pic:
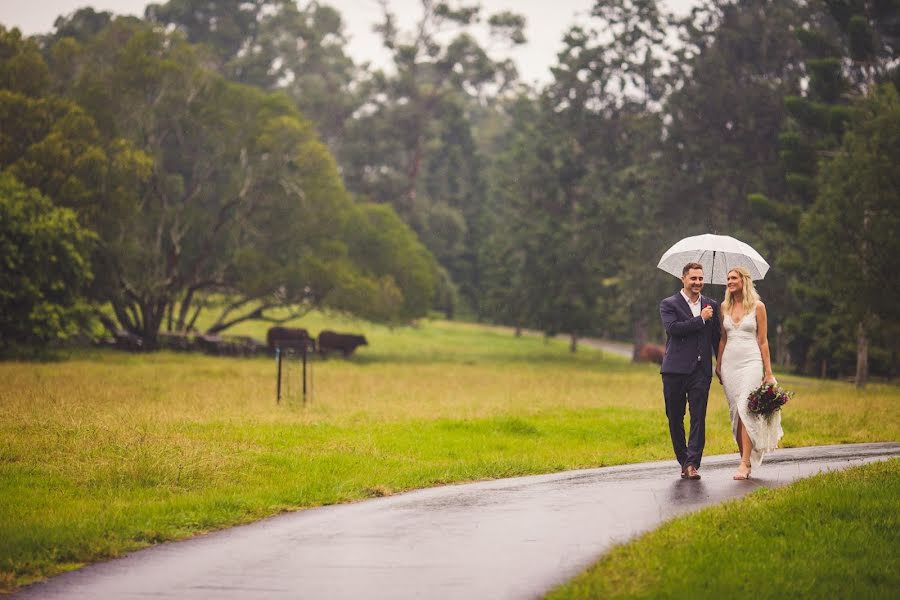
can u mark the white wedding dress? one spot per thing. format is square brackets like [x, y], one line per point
[742, 372]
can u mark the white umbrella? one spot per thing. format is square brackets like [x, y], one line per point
[717, 253]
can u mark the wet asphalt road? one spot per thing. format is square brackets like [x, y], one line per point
[511, 538]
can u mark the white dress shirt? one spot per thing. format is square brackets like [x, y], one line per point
[694, 306]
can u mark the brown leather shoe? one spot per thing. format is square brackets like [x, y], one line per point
[691, 472]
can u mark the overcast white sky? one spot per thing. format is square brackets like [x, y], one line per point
[546, 22]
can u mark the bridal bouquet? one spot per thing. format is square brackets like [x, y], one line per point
[766, 399]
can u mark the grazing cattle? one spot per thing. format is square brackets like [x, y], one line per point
[289, 338]
[651, 353]
[345, 343]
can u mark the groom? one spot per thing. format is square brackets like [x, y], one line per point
[692, 339]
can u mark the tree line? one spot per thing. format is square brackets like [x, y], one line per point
[231, 156]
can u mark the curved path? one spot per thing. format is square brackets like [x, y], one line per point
[509, 538]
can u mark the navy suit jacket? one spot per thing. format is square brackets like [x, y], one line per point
[687, 336]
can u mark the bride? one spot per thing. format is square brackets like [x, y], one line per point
[742, 365]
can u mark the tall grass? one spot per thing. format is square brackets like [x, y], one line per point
[105, 452]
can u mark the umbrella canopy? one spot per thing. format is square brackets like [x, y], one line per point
[717, 253]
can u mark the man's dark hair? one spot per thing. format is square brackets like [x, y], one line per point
[690, 266]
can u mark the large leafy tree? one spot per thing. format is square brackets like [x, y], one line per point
[297, 47]
[385, 249]
[243, 202]
[569, 183]
[44, 272]
[51, 144]
[845, 49]
[609, 89]
[411, 143]
[852, 228]
[725, 117]
[430, 73]
[300, 48]
[456, 225]
[524, 246]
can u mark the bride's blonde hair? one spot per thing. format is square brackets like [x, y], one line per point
[750, 295]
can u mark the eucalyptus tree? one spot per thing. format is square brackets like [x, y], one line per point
[243, 203]
[520, 252]
[411, 143]
[457, 223]
[429, 73]
[297, 47]
[579, 201]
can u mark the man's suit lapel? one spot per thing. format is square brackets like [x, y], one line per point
[685, 307]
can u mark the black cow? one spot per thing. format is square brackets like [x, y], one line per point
[289, 338]
[345, 343]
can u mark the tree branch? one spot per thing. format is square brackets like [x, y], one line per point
[258, 314]
[108, 323]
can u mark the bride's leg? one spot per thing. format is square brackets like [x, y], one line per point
[745, 445]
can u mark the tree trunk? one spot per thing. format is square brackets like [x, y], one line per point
[862, 356]
[573, 343]
[782, 351]
[518, 330]
[412, 184]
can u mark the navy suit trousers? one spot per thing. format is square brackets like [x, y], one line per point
[681, 391]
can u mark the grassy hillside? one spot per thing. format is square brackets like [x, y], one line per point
[106, 452]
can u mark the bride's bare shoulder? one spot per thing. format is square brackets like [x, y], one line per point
[760, 307]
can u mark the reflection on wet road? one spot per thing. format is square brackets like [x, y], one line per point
[510, 538]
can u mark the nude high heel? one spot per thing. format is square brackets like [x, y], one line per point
[740, 476]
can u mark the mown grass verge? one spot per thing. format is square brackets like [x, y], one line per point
[106, 452]
[831, 536]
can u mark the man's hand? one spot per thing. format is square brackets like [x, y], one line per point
[707, 313]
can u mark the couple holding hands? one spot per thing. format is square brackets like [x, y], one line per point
[735, 331]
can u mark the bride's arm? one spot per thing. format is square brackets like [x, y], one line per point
[722, 337]
[762, 339]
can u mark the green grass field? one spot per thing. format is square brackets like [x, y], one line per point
[831, 536]
[106, 452]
